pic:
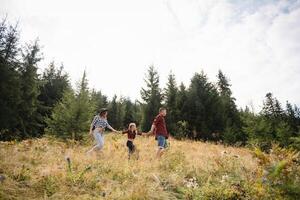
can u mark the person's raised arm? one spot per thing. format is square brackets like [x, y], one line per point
[112, 129]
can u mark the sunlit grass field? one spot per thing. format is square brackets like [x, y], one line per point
[39, 169]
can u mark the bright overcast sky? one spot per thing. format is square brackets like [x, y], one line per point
[255, 43]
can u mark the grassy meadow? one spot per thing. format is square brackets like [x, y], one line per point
[39, 169]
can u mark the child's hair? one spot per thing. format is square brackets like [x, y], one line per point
[131, 125]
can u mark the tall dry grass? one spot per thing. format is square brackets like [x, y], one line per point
[37, 169]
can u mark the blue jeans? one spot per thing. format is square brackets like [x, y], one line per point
[162, 142]
[99, 139]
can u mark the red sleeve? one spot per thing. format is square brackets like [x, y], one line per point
[156, 121]
[124, 132]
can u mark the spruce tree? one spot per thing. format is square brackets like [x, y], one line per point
[260, 132]
[291, 117]
[182, 126]
[271, 108]
[171, 92]
[231, 122]
[116, 113]
[120, 113]
[84, 108]
[53, 83]
[152, 98]
[29, 117]
[99, 99]
[61, 121]
[181, 102]
[272, 111]
[137, 112]
[203, 108]
[113, 111]
[9, 41]
[10, 97]
[128, 113]
[72, 116]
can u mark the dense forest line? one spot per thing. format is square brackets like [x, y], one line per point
[33, 104]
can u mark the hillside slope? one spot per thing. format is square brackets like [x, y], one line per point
[38, 169]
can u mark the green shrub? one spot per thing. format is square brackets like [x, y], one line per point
[181, 130]
[281, 172]
[295, 143]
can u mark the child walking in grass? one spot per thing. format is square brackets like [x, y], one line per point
[131, 133]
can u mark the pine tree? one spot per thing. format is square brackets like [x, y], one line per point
[272, 108]
[120, 113]
[223, 85]
[53, 83]
[61, 121]
[202, 108]
[116, 113]
[84, 108]
[9, 42]
[231, 122]
[279, 112]
[279, 123]
[113, 111]
[181, 102]
[99, 99]
[152, 98]
[137, 112]
[72, 116]
[30, 119]
[260, 132]
[291, 117]
[171, 92]
[195, 105]
[272, 111]
[182, 126]
[128, 113]
[283, 133]
[10, 97]
[228, 102]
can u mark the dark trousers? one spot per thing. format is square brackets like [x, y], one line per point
[131, 147]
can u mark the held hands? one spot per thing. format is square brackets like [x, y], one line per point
[115, 131]
[150, 132]
[146, 134]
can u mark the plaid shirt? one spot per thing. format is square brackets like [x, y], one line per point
[99, 122]
[160, 126]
